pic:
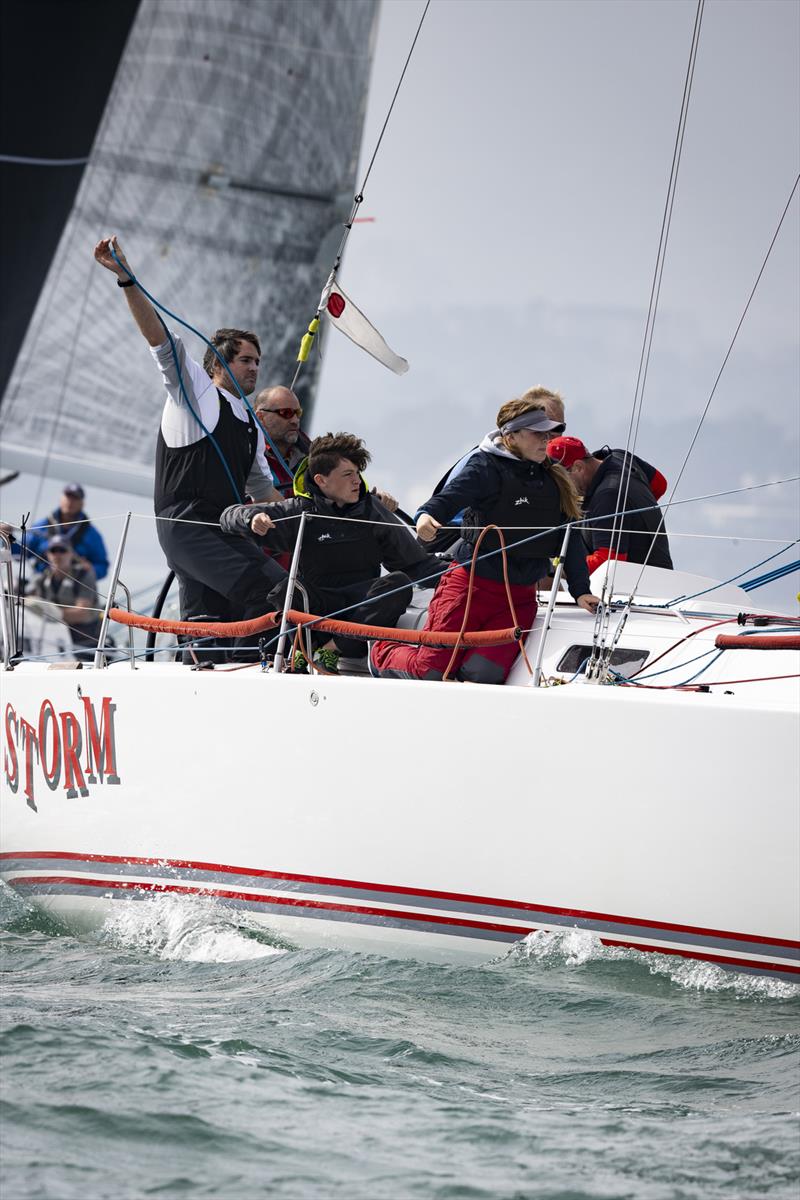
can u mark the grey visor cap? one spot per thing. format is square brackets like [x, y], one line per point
[537, 419]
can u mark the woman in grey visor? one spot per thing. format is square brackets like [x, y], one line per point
[510, 482]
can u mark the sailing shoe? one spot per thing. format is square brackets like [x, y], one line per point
[300, 663]
[353, 666]
[328, 660]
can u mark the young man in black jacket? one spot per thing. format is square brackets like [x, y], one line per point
[349, 536]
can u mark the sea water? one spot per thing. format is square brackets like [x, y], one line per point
[180, 1052]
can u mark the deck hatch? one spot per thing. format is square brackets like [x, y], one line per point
[626, 661]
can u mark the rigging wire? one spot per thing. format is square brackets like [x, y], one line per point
[313, 325]
[394, 98]
[602, 619]
[540, 531]
[623, 618]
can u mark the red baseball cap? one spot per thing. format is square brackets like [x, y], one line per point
[566, 451]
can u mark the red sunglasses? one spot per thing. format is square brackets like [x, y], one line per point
[286, 413]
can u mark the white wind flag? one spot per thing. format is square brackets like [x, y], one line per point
[344, 315]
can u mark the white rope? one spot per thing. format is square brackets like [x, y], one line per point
[606, 651]
[754, 487]
[601, 624]
[55, 603]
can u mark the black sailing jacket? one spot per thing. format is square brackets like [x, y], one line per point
[337, 554]
[499, 489]
[639, 528]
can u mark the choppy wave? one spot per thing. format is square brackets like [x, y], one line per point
[180, 1051]
[188, 929]
[577, 947]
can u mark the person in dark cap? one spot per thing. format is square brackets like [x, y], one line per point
[639, 535]
[70, 583]
[70, 522]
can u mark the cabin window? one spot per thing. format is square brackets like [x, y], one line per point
[625, 661]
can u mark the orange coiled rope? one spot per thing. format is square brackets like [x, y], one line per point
[461, 641]
[228, 629]
[758, 641]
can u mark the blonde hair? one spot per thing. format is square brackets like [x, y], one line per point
[552, 401]
[570, 500]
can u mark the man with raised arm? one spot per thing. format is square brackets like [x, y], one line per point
[209, 454]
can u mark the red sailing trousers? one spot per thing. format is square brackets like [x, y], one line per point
[489, 609]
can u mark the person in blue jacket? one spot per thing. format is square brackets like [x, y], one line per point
[70, 523]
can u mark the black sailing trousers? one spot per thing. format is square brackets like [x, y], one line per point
[222, 577]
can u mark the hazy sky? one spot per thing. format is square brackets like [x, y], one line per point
[517, 200]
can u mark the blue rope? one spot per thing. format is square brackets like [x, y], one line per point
[524, 541]
[577, 673]
[733, 578]
[196, 416]
[706, 653]
[220, 359]
[665, 670]
[750, 585]
[622, 679]
[767, 631]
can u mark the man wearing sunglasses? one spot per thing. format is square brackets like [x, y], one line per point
[279, 412]
[70, 583]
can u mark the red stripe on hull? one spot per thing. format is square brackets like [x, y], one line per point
[328, 881]
[423, 918]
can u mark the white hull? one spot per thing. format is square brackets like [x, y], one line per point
[442, 821]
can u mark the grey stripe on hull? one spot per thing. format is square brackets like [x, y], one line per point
[496, 912]
[364, 918]
[279, 910]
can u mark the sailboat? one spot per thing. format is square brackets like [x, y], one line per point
[343, 812]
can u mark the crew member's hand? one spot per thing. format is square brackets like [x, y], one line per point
[262, 524]
[7, 529]
[386, 499]
[588, 602]
[102, 253]
[427, 527]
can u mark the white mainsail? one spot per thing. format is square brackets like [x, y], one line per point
[225, 157]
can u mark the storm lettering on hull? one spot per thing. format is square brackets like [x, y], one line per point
[64, 749]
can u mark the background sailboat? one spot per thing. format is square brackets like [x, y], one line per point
[517, 198]
[226, 160]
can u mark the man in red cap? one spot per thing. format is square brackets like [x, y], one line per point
[602, 480]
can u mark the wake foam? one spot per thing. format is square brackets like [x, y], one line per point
[576, 947]
[188, 929]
